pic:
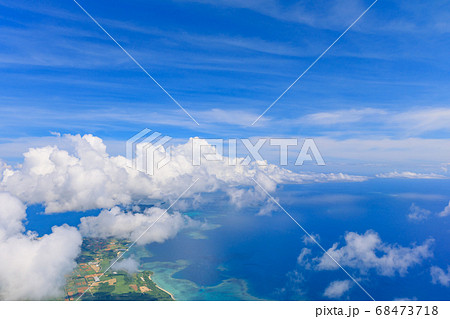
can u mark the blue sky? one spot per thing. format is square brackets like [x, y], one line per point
[383, 87]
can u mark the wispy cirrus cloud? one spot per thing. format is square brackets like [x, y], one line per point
[342, 116]
[335, 15]
[331, 16]
[411, 175]
[411, 122]
[420, 196]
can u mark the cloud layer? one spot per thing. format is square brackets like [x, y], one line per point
[84, 176]
[32, 267]
[153, 225]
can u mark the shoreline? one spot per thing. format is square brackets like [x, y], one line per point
[169, 293]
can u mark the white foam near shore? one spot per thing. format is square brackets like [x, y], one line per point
[150, 277]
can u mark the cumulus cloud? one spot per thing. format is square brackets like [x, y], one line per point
[367, 251]
[130, 265]
[12, 212]
[446, 211]
[131, 225]
[84, 176]
[337, 288]
[439, 276]
[416, 213]
[32, 267]
[411, 175]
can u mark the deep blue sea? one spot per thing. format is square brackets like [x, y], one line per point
[245, 257]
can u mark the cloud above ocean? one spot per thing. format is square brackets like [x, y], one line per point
[33, 267]
[366, 252]
[83, 176]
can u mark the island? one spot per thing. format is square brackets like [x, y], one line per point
[115, 285]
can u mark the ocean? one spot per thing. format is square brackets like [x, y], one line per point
[248, 257]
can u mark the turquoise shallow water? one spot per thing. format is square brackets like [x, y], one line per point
[183, 289]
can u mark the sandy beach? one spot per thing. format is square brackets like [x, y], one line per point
[150, 277]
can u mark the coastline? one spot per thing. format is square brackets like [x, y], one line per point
[169, 293]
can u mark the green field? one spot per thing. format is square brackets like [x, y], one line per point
[96, 256]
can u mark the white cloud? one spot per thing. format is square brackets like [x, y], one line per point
[423, 120]
[367, 251]
[412, 122]
[341, 116]
[298, 12]
[131, 225]
[420, 196]
[230, 117]
[84, 176]
[12, 212]
[32, 267]
[130, 265]
[380, 136]
[337, 288]
[446, 211]
[267, 208]
[439, 276]
[303, 260]
[417, 213]
[389, 151]
[405, 299]
[411, 175]
[309, 239]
